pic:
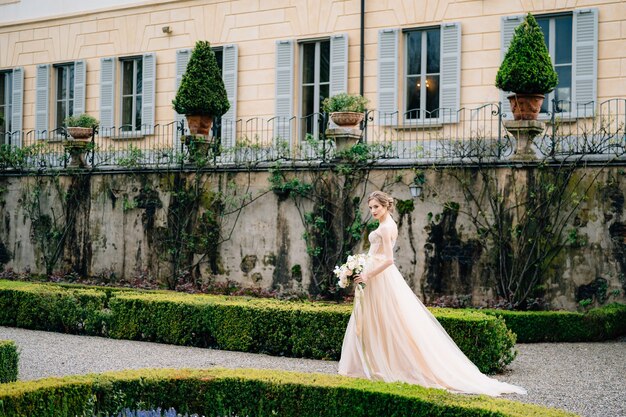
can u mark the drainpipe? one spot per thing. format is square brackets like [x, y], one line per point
[362, 63]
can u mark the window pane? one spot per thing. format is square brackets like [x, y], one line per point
[70, 86]
[323, 94]
[414, 53]
[70, 108]
[563, 40]
[139, 76]
[127, 111]
[324, 61]
[432, 95]
[433, 39]
[413, 92]
[61, 83]
[127, 77]
[219, 57]
[307, 100]
[138, 114]
[308, 63]
[61, 108]
[563, 91]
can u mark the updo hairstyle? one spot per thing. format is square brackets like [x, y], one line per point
[384, 199]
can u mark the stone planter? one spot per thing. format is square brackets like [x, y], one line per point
[77, 150]
[525, 106]
[343, 137]
[199, 124]
[524, 132]
[198, 146]
[80, 133]
[346, 118]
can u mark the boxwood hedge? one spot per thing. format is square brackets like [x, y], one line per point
[247, 392]
[299, 329]
[8, 361]
[600, 323]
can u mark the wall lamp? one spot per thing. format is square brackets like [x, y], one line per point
[166, 29]
[417, 184]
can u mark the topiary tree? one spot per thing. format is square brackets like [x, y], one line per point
[202, 90]
[527, 67]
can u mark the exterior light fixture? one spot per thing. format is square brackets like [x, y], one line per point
[416, 190]
[417, 184]
[166, 29]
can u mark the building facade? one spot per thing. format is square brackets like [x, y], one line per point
[419, 60]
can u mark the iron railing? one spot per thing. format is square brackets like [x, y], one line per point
[414, 136]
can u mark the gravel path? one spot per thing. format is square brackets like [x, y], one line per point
[586, 378]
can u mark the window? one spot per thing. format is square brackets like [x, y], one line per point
[557, 32]
[423, 64]
[64, 102]
[217, 122]
[572, 40]
[132, 94]
[315, 64]
[6, 88]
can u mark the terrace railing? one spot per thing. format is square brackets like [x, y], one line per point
[426, 136]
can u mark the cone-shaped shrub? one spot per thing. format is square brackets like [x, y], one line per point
[527, 67]
[201, 90]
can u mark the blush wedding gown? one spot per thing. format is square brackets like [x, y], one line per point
[391, 336]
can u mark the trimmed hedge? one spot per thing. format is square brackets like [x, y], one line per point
[298, 329]
[248, 392]
[9, 358]
[602, 323]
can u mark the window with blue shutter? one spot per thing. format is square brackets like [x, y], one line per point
[42, 97]
[66, 93]
[388, 76]
[572, 41]
[149, 87]
[80, 86]
[6, 105]
[182, 58]
[338, 64]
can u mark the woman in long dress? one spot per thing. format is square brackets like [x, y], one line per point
[391, 336]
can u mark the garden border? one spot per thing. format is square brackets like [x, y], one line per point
[9, 361]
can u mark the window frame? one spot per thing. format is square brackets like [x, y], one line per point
[551, 45]
[317, 84]
[423, 76]
[135, 129]
[70, 89]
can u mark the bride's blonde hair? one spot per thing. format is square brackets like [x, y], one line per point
[384, 199]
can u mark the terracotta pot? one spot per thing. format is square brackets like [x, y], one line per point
[199, 124]
[525, 106]
[80, 133]
[346, 118]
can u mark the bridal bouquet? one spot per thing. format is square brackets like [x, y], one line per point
[353, 266]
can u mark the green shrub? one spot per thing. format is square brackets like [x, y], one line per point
[202, 90]
[344, 102]
[248, 392]
[9, 358]
[527, 67]
[601, 323]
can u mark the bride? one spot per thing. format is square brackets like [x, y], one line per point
[391, 336]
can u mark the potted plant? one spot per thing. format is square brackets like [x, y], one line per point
[201, 95]
[527, 71]
[345, 109]
[81, 127]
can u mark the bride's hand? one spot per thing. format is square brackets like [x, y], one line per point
[361, 278]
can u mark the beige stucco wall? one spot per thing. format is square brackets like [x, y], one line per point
[255, 25]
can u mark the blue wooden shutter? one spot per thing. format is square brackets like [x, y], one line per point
[80, 83]
[17, 106]
[284, 89]
[450, 101]
[148, 93]
[42, 97]
[509, 23]
[338, 64]
[388, 76]
[107, 96]
[585, 61]
[229, 75]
